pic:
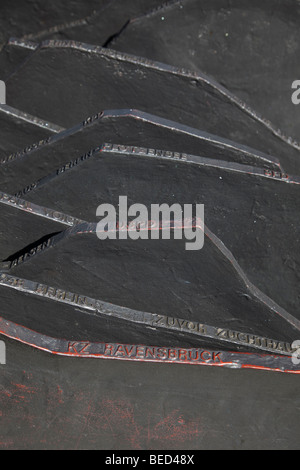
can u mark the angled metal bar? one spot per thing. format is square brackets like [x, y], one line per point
[62, 133]
[98, 308]
[135, 352]
[91, 228]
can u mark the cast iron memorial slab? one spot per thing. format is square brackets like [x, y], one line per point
[252, 210]
[249, 46]
[208, 294]
[48, 172]
[101, 79]
[149, 308]
[183, 296]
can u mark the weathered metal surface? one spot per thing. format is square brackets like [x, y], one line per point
[243, 305]
[110, 154]
[247, 208]
[148, 353]
[33, 212]
[99, 20]
[30, 19]
[150, 305]
[24, 224]
[98, 308]
[211, 108]
[12, 55]
[130, 126]
[248, 46]
[20, 130]
[56, 402]
[23, 168]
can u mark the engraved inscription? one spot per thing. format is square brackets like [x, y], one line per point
[276, 174]
[162, 354]
[251, 340]
[91, 119]
[78, 160]
[65, 296]
[38, 210]
[15, 201]
[26, 190]
[12, 281]
[26, 150]
[81, 348]
[176, 323]
[64, 218]
[144, 151]
[31, 253]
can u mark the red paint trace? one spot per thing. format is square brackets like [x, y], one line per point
[142, 353]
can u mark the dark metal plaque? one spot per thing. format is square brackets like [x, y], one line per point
[19, 130]
[93, 329]
[245, 206]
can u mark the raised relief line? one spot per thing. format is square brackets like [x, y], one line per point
[263, 298]
[28, 253]
[4, 108]
[97, 308]
[85, 227]
[39, 211]
[214, 139]
[152, 119]
[70, 24]
[194, 159]
[68, 166]
[135, 352]
[37, 145]
[19, 42]
[175, 71]
[163, 154]
[163, 7]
